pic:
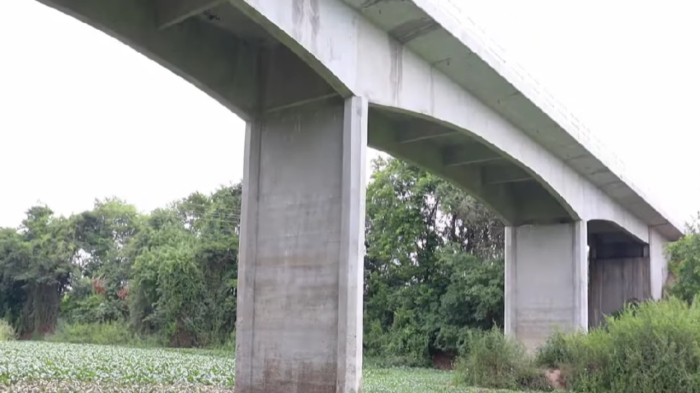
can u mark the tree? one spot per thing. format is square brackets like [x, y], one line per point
[189, 252]
[103, 235]
[684, 264]
[428, 244]
[36, 266]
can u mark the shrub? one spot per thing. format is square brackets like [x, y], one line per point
[654, 347]
[498, 362]
[112, 333]
[7, 332]
[556, 351]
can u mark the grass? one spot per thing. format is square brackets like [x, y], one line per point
[7, 333]
[57, 367]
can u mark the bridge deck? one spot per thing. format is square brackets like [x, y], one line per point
[442, 33]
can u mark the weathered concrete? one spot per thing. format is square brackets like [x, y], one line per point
[546, 281]
[658, 264]
[302, 242]
[454, 79]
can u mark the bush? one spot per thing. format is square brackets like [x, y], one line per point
[112, 333]
[7, 332]
[654, 347]
[555, 352]
[498, 362]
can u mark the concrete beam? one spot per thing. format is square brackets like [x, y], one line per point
[414, 28]
[217, 63]
[620, 250]
[536, 206]
[502, 174]
[287, 81]
[383, 134]
[411, 133]
[467, 154]
[172, 12]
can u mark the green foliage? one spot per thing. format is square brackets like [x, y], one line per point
[653, 348]
[684, 264]
[432, 269]
[58, 361]
[172, 273]
[184, 275]
[495, 361]
[52, 368]
[7, 332]
[106, 333]
[556, 351]
[180, 293]
[474, 294]
[36, 263]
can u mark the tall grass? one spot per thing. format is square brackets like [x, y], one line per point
[495, 361]
[119, 334]
[112, 333]
[654, 348]
[7, 333]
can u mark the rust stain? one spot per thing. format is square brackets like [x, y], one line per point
[306, 11]
[315, 19]
[396, 71]
[298, 17]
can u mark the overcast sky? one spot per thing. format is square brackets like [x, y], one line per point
[83, 116]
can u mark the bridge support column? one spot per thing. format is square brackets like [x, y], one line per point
[299, 326]
[658, 264]
[546, 281]
[619, 273]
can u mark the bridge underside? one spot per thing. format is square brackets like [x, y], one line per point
[224, 50]
[620, 270]
[299, 322]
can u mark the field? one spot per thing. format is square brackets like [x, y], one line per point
[53, 367]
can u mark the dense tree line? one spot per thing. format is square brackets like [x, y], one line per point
[433, 267]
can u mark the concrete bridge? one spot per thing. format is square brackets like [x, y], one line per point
[320, 80]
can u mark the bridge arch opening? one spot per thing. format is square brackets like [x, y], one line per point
[508, 188]
[619, 270]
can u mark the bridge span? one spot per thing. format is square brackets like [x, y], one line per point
[320, 80]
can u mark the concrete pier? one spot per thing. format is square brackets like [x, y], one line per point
[302, 247]
[546, 283]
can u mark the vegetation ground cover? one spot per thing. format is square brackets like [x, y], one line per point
[57, 367]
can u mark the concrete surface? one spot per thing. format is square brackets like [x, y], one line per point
[302, 244]
[658, 263]
[546, 281]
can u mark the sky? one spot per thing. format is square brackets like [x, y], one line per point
[82, 116]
